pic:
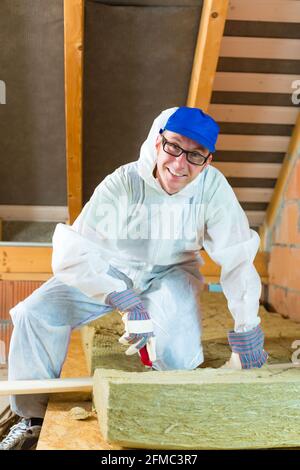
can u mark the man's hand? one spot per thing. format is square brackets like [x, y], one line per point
[138, 324]
[247, 349]
[138, 331]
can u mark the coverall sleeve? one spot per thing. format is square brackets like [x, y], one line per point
[80, 252]
[233, 245]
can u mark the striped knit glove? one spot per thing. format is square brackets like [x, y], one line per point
[249, 346]
[138, 324]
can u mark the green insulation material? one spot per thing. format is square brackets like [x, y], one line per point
[200, 409]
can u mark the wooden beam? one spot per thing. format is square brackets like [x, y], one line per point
[206, 56]
[25, 276]
[211, 269]
[248, 170]
[216, 280]
[256, 143]
[254, 114]
[73, 34]
[254, 82]
[25, 259]
[260, 48]
[35, 263]
[278, 11]
[281, 183]
[28, 387]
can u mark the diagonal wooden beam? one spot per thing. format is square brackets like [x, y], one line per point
[206, 56]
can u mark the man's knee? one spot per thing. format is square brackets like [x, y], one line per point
[173, 360]
[27, 308]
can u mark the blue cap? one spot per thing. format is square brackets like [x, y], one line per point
[194, 124]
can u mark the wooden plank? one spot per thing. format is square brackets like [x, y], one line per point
[73, 35]
[260, 48]
[34, 213]
[281, 184]
[188, 406]
[25, 276]
[211, 269]
[253, 114]
[216, 280]
[281, 11]
[253, 194]
[254, 82]
[256, 143]
[25, 259]
[255, 218]
[28, 387]
[206, 56]
[248, 170]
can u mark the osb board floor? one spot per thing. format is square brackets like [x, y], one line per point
[61, 432]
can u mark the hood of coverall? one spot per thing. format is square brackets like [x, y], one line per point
[148, 157]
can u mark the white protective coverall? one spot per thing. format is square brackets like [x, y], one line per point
[133, 234]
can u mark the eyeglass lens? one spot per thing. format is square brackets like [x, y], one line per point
[192, 157]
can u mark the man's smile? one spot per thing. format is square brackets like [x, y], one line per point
[177, 175]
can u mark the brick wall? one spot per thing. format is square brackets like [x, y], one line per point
[284, 266]
[11, 293]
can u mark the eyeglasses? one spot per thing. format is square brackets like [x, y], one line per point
[196, 158]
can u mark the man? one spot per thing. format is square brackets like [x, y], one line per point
[135, 247]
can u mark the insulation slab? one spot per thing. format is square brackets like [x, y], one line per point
[200, 409]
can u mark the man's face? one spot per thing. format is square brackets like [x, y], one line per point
[174, 173]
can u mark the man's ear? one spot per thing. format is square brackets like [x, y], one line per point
[208, 160]
[157, 142]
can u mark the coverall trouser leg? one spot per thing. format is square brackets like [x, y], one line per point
[43, 323]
